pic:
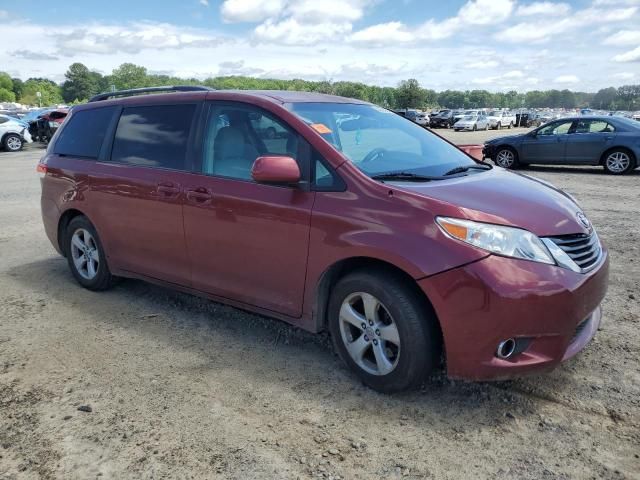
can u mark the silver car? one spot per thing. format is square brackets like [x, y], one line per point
[472, 122]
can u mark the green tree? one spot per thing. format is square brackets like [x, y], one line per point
[50, 92]
[80, 83]
[129, 75]
[409, 94]
[6, 88]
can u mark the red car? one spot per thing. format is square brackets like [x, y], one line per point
[353, 220]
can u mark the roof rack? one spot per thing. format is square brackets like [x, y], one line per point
[138, 91]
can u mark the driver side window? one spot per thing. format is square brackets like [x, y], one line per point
[557, 128]
[236, 135]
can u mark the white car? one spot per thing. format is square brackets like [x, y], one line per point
[13, 134]
[422, 119]
[472, 122]
[500, 118]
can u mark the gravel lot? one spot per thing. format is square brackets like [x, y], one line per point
[180, 387]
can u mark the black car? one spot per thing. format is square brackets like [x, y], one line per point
[443, 119]
[613, 142]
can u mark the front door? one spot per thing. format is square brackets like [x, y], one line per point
[548, 145]
[247, 242]
[137, 192]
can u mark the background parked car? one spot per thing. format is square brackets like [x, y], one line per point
[443, 119]
[501, 118]
[472, 122]
[13, 133]
[613, 142]
[47, 123]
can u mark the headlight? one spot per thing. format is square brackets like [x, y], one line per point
[506, 241]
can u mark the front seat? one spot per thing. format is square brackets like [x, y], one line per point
[233, 156]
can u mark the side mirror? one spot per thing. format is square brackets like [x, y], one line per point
[275, 169]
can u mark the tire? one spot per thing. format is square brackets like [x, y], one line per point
[618, 161]
[498, 126]
[411, 349]
[510, 125]
[80, 261]
[486, 126]
[12, 142]
[475, 127]
[506, 157]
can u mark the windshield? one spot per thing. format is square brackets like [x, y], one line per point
[469, 117]
[379, 141]
[495, 113]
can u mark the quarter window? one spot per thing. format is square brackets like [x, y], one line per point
[154, 136]
[84, 132]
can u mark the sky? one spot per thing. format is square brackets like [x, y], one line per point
[497, 45]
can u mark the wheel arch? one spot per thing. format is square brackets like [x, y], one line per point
[604, 155]
[343, 267]
[63, 223]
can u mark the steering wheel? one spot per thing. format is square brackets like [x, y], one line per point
[373, 154]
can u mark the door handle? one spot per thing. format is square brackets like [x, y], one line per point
[199, 195]
[168, 189]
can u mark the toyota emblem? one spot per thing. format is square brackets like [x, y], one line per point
[582, 218]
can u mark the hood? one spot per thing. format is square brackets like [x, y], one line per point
[506, 139]
[506, 198]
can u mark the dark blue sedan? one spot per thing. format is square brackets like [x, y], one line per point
[613, 142]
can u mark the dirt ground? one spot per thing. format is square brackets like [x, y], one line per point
[180, 387]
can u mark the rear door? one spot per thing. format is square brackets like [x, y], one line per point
[548, 145]
[247, 241]
[137, 192]
[588, 140]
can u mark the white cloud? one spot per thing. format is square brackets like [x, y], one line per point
[472, 13]
[623, 76]
[630, 56]
[480, 64]
[204, 3]
[292, 32]
[250, 10]
[616, 2]
[568, 79]
[623, 37]
[485, 12]
[543, 8]
[314, 11]
[543, 30]
[130, 38]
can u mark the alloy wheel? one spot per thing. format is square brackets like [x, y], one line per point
[85, 254]
[369, 333]
[14, 143]
[618, 162]
[505, 158]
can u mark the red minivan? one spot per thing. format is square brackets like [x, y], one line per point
[330, 214]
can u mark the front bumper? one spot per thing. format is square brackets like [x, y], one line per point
[555, 311]
[488, 151]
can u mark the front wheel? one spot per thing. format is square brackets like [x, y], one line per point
[12, 142]
[510, 125]
[498, 126]
[85, 255]
[383, 330]
[619, 162]
[506, 158]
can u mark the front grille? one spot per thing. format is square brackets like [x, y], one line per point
[583, 249]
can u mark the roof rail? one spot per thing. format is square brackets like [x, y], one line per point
[138, 91]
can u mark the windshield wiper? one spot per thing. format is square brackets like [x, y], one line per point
[478, 166]
[404, 176]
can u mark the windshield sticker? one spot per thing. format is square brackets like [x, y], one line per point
[321, 128]
[358, 137]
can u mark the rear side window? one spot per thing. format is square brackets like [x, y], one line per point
[154, 136]
[84, 133]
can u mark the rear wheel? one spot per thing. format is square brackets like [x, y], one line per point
[12, 142]
[85, 255]
[619, 162]
[506, 158]
[383, 330]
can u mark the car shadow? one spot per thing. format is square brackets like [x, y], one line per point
[587, 170]
[305, 362]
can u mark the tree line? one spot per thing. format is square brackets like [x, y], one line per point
[81, 83]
